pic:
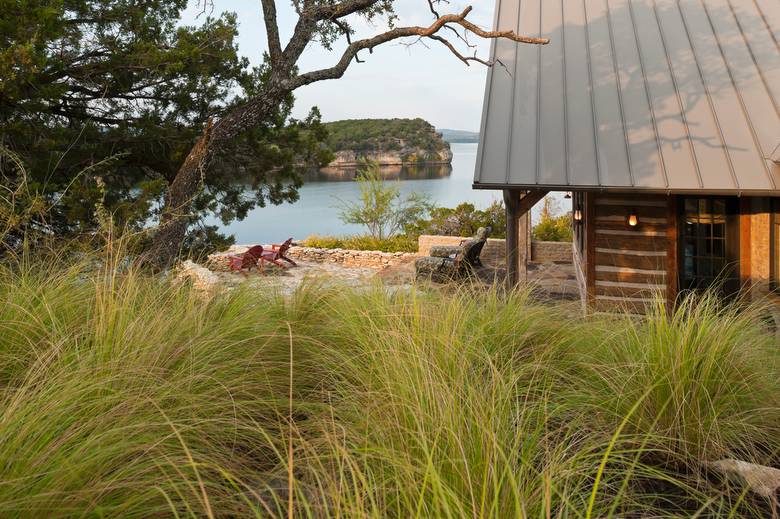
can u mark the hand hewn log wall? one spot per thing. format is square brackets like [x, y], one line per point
[631, 265]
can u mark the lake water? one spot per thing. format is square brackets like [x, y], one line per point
[317, 210]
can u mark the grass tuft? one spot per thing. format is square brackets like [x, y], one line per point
[122, 394]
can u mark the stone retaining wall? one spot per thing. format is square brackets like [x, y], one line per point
[351, 258]
[493, 254]
[551, 251]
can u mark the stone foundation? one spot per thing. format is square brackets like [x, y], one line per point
[551, 251]
[493, 254]
[351, 258]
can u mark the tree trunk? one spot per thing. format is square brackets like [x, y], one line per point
[167, 242]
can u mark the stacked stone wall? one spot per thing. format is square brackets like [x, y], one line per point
[351, 258]
[494, 252]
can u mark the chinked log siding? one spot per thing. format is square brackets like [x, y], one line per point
[630, 264]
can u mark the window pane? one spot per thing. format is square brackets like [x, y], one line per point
[719, 229]
[719, 248]
[704, 204]
[719, 268]
[704, 242]
[688, 269]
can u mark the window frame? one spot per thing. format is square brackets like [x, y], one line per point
[731, 242]
[774, 236]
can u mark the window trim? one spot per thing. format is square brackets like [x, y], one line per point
[774, 221]
[732, 236]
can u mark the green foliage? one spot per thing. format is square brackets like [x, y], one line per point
[463, 220]
[84, 81]
[397, 243]
[551, 227]
[380, 208]
[124, 395]
[374, 135]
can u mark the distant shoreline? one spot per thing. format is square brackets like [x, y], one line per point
[357, 165]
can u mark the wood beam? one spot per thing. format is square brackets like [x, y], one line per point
[529, 199]
[745, 213]
[517, 204]
[672, 253]
[512, 207]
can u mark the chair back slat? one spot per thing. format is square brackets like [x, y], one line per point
[284, 246]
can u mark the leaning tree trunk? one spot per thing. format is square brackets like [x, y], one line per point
[169, 237]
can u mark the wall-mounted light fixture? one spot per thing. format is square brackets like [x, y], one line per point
[567, 195]
[633, 220]
[577, 215]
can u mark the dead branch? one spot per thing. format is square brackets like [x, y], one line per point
[340, 67]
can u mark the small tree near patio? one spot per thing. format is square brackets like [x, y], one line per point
[380, 207]
[552, 226]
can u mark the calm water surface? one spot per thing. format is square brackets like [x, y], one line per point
[317, 210]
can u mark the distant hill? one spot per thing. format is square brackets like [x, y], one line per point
[458, 135]
[386, 141]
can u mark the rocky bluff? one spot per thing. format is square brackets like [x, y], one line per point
[387, 142]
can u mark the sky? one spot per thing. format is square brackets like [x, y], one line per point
[395, 81]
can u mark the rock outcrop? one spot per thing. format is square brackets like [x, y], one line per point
[404, 157]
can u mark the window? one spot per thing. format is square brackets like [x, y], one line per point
[708, 245]
[774, 247]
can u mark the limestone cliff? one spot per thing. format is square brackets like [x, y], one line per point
[403, 157]
[388, 142]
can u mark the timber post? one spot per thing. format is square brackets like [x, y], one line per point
[512, 205]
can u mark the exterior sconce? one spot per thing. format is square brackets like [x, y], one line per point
[567, 196]
[578, 215]
[633, 220]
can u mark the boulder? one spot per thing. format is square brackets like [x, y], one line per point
[202, 278]
[759, 479]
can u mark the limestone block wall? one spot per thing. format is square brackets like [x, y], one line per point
[494, 252]
[351, 258]
[551, 251]
[348, 258]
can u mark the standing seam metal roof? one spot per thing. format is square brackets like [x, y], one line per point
[659, 95]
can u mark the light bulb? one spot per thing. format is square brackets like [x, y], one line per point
[632, 219]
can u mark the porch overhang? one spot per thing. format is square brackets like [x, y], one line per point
[642, 95]
[625, 189]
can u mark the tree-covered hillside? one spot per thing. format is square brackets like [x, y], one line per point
[386, 135]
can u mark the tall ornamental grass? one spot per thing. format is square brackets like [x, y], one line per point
[127, 395]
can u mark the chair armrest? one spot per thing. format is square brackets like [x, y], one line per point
[445, 251]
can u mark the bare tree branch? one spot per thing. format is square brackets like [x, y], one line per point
[310, 16]
[272, 30]
[464, 59]
[302, 35]
[341, 9]
[348, 34]
[339, 68]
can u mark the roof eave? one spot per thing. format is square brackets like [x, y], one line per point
[630, 189]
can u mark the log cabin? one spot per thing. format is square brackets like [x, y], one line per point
[662, 119]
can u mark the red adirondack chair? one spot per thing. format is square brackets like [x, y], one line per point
[278, 252]
[246, 261]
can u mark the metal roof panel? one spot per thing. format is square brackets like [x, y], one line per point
[664, 95]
